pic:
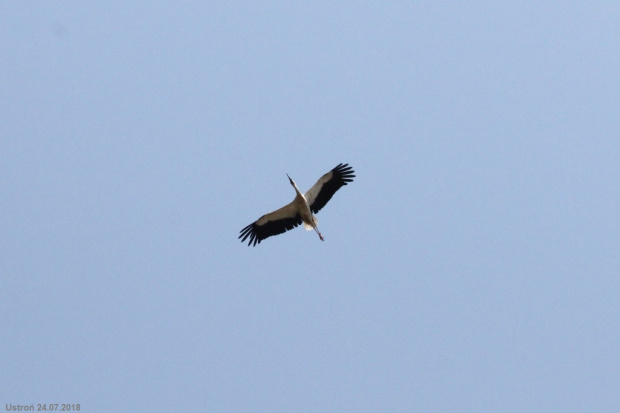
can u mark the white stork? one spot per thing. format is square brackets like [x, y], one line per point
[301, 209]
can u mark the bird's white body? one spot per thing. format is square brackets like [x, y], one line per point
[301, 209]
[301, 204]
[304, 211]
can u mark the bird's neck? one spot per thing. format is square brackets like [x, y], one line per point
[298, 191]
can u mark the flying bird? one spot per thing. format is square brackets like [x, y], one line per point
[301, 209]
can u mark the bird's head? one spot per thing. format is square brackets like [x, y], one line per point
[290, 180]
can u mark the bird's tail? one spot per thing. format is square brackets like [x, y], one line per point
[309, 227]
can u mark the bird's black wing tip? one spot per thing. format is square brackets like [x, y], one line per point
[345, 173]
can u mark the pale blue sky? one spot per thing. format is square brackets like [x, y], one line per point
[472, 266]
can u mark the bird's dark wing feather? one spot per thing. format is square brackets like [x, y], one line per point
[257, 233]
[327, 185]
[270, 224]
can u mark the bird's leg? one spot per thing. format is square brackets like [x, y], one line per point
[317, 231]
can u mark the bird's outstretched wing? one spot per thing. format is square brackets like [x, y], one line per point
[327, 185]
[273, 223]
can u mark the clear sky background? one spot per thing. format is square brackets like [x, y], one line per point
[473, 265]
